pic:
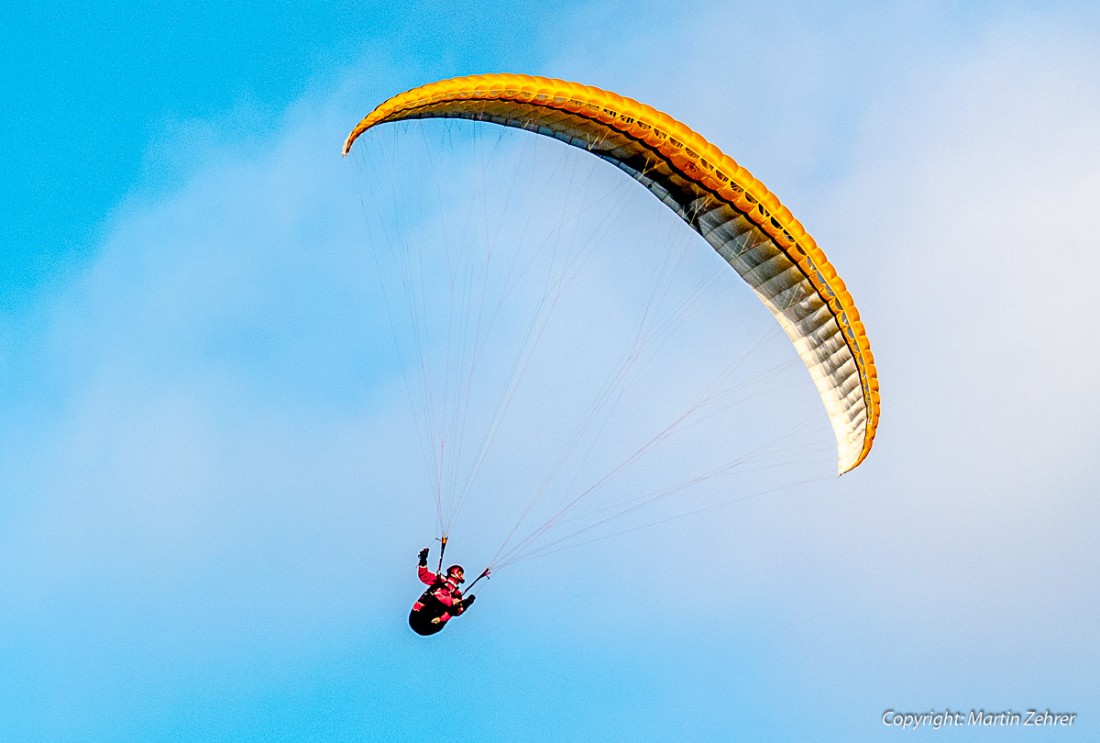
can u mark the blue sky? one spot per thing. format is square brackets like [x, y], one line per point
[211, 507]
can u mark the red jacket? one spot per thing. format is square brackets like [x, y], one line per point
[443, 589]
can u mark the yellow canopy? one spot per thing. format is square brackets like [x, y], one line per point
[735, 213]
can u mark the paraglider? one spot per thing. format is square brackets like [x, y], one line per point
[441, 601]
[735, 214]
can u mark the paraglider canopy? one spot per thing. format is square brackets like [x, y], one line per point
[735, 213]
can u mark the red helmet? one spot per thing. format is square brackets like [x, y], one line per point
[456, 569]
